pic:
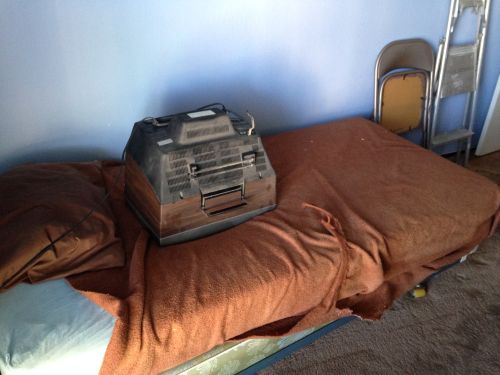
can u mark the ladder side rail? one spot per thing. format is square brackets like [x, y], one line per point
[471, 96]
[480, 52]
[433, 90]
[449, 29]
[466, 120]
[466, 123]
[437, 64]
[426, 123]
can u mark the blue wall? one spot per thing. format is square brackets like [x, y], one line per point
[75, 75]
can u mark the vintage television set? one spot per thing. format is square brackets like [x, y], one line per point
[195, 173]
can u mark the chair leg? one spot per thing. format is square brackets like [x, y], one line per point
[467, 152]
[459, 152]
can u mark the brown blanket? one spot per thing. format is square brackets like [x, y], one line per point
[39, 203]
[362, 216]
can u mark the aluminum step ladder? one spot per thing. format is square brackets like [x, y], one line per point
[458, 71]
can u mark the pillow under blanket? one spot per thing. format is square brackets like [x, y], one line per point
[38, 203]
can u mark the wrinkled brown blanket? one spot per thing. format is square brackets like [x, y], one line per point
[41, 202]
[362, 216]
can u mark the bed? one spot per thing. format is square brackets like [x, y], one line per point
[363, 215]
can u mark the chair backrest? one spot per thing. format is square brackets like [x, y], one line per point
[406, 53]
[406, 104]
[402, 97]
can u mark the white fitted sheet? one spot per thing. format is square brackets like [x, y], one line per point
[49, 328]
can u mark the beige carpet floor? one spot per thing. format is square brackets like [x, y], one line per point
[487, 165]
[454, 330]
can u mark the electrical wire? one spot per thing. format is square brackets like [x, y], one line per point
[213, 105]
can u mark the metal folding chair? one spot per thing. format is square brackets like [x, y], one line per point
[403, 86]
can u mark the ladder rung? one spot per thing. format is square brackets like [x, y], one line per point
[448, 137]
[466, 51]
[471, 3]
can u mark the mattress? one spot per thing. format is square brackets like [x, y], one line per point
[49, 328]
[362, 216]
